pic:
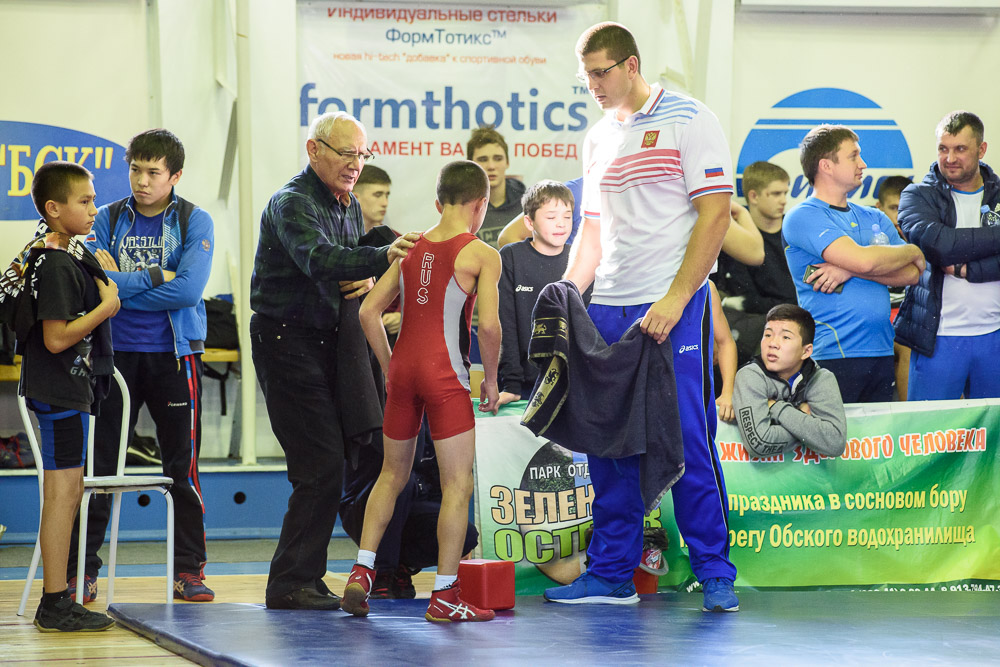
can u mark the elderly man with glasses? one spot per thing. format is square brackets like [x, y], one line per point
[308, 347]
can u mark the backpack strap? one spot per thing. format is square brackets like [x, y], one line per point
[184, 211]
[114, 212]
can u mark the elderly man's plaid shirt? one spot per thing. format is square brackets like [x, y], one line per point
[307, 244]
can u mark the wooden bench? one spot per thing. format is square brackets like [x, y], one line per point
[12, 372]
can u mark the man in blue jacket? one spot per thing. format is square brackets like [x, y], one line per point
[157, 248]
[951, 318]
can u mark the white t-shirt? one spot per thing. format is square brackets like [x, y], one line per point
[640, 177]
[968, 309]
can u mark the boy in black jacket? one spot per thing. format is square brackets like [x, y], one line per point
[72, 299]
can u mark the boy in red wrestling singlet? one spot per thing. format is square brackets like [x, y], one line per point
[428, 369]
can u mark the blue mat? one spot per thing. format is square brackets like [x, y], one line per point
[773, 628]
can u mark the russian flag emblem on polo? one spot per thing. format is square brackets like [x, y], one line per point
[649, 139]
[713, 172]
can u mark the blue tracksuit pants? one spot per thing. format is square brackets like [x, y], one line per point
[700, 495]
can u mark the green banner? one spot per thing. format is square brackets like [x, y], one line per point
[912, 503]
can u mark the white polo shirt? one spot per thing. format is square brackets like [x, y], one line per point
[639, 179]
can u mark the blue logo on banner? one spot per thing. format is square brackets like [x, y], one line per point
[24, 147]
[883, 145]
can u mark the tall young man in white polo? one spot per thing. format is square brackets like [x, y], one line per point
[656, 195]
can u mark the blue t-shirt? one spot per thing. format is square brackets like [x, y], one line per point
[142, 330]
[854, 322]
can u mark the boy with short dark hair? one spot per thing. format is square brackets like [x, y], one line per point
[528, 266]
[488, 148]
[888, 198]
[428, 368]
[783, 397]
[158, 248]
[372, 190]
[63, 354]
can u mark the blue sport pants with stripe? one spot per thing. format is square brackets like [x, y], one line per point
[700, 502]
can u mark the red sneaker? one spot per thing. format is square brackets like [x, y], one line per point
[89, 588]
[359, 587]
[447, 607]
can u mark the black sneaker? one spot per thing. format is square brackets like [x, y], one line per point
[142, 451]
[402, 583]
[382, 586]
[68, 616]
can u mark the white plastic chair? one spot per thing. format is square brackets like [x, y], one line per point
[117, 484]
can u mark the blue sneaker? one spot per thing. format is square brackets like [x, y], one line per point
[591, 589]
[720, 596]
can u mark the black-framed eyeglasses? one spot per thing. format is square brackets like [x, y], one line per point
[349, 155]
[598, 74]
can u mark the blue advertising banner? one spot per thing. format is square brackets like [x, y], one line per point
[26, 146]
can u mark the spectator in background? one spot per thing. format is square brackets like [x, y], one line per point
[528, 266]
[888, 202]
[158, 248]
[372, 192]
[517, 230]
[888, 198]
[488, 148]
[750, 290]
[842, 257]
[951, 318]
[783, 397]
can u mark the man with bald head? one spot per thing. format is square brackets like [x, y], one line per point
[308, 274]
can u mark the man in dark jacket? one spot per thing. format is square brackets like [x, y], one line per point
[951, 318]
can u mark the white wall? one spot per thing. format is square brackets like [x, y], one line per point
[917, 68]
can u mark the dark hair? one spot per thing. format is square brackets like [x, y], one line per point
[612, 37]
[154, 144]
[956, 121]
[789, 312]
[53, 180]
[482, 136]
[542, 192]
[892, 185]
[371, 174]
[759, 175]
[822, 143]
[461, 182]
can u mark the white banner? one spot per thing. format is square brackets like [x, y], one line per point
[421, 79]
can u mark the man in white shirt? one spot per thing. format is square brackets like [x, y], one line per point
[656, 195]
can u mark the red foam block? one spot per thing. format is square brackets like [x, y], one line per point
[487, 584]
[645, 582]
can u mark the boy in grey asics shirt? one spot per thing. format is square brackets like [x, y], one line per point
[782, 397]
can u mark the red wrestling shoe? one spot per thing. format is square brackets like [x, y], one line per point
[447, 607]
[359, 587]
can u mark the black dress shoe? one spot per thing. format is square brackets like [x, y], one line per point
[305, 598]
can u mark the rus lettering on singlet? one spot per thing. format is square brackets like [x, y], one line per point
[426, 264]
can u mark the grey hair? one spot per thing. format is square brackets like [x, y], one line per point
[322, 125]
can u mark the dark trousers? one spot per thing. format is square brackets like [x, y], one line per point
[410, 539]
[171, 390]
[297, 371]
[863, 379]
